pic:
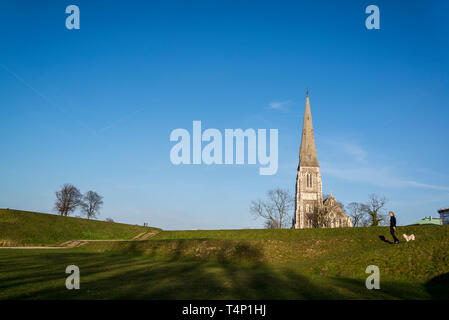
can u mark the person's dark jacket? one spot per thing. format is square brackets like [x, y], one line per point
[392, 221]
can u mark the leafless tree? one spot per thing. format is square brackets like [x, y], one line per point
[323, 216]
[276, 209]
[67, 199]
[272, 224]
[91, 204]
[109, 220]
[319, 218]
[375, 209]
[358, 213]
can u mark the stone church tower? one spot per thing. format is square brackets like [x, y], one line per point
[308, 193]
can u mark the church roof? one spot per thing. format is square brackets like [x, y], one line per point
[307, 152]
[337, 208]
[331, 196]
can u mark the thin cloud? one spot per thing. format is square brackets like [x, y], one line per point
[122, 119]
[383, 177]
[349, 148]
[354, 165]
[279, 105]
[46, 99]
[64, 111]
[428, 186]
[356, 151]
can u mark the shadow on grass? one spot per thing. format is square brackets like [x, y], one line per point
[382, 238]
[438, 287]
[175, 270]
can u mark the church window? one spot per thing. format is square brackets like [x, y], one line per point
[309, 180]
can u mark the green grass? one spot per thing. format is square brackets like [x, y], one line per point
[40, 275]
[22, 228]
[330, 252]
[238, 264]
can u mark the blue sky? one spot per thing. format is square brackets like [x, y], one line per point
[95, 107]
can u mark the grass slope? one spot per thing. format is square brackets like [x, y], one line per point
[22, 228]
[239, 264]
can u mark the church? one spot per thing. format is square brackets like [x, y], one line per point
[311, 210]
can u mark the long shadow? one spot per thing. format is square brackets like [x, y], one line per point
[228, 270]
[51, 267]
[385, 240]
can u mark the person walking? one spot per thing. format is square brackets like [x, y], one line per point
[393, 227]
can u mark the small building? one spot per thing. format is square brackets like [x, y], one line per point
[444, 215]
[427, 221]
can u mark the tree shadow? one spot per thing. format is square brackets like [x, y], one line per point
[179, 270]
[438, 287]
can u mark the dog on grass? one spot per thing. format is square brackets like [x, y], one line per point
[408, 238]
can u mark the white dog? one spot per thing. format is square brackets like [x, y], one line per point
[408, 238]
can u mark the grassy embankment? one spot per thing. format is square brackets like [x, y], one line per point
[238, 264]
[22, 228]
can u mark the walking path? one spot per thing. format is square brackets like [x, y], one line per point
[78, 243]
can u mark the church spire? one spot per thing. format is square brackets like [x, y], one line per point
[307, 152]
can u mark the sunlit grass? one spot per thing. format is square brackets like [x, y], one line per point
[223, 264]
[22, 228]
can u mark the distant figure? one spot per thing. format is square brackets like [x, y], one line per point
[393, 227]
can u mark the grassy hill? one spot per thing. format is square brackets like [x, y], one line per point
[23, 228]
[236, 264]
[337, 252]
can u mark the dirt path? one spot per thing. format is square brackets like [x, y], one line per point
[148, 235]
[78, 243]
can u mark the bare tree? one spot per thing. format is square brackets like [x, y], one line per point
[67, 199]
[109, 220]
[375, 209]
[276, 210]
[324, 216]
[91, 204]
[272, 224]
[319, 218]
[358, 213]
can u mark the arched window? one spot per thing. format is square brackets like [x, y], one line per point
[309, 180]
